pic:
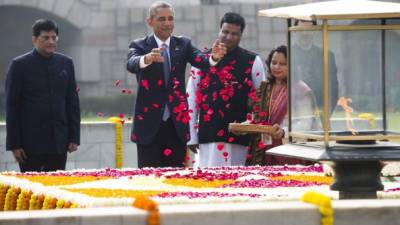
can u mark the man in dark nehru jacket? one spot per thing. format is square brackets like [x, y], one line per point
[42, 104]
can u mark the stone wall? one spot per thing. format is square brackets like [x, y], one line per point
[96, 33]
[97, 149]
[366, 212]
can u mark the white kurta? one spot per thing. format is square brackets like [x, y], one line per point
[209, 155]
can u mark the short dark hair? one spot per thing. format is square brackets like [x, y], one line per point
[233, 18]
[159, 5]
[280, 49]
[43, 25]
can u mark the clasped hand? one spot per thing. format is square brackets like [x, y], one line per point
[217, 52]
[277, 132]
[154, 56]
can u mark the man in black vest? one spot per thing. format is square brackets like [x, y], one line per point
[219, 96]
[42, 104]
[161, 117]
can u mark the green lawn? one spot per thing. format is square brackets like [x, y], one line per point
[393, 119]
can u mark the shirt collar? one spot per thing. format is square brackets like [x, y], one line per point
[36, 53]
[159, 42]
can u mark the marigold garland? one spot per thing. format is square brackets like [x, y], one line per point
[49, 202]
[10, 203]
[324, 204]
[24, 200]
[36, 202]
[198, 183]
[118, 141]
[17, 199]
[60, 204]
[306, 178]
[3, 192]
[145, 203]
[49, 180]
[32, 202]
[113, 193]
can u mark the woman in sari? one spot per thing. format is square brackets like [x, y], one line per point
[270, 107]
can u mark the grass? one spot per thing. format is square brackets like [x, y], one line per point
[393, 119]
[84, 119]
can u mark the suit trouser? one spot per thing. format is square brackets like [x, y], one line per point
[44, 162]
[156, 154]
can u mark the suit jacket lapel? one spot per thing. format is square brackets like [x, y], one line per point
[151, 42]
[173, 51]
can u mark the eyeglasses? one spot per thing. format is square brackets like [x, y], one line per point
[47, 38]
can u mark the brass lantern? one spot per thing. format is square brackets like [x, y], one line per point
[344, 89]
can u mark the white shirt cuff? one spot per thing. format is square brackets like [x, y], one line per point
[142, 64]
[212, 62]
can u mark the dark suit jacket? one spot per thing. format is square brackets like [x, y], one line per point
[152, 94]
[42, 104]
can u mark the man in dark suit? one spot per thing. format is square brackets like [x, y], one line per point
[42, 104]
[161, 117]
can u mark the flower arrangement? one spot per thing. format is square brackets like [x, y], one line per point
[121, 187]
[118, 140]
[145, 203]
[324, 204]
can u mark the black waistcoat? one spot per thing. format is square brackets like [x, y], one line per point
[224, 94]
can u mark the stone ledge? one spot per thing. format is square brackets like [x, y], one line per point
[366, 212]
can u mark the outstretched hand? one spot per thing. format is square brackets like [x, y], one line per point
[218, 50]
[154, 56]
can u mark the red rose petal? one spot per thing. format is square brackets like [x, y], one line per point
[167, 152]
[261, 145]
[117, 82]
[197, 59]
[145, 84]
[220, 133]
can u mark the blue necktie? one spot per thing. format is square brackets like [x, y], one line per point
[167, 69]
[166, 66]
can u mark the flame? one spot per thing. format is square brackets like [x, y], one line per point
[344, 103]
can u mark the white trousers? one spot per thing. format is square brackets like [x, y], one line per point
[208, 155]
